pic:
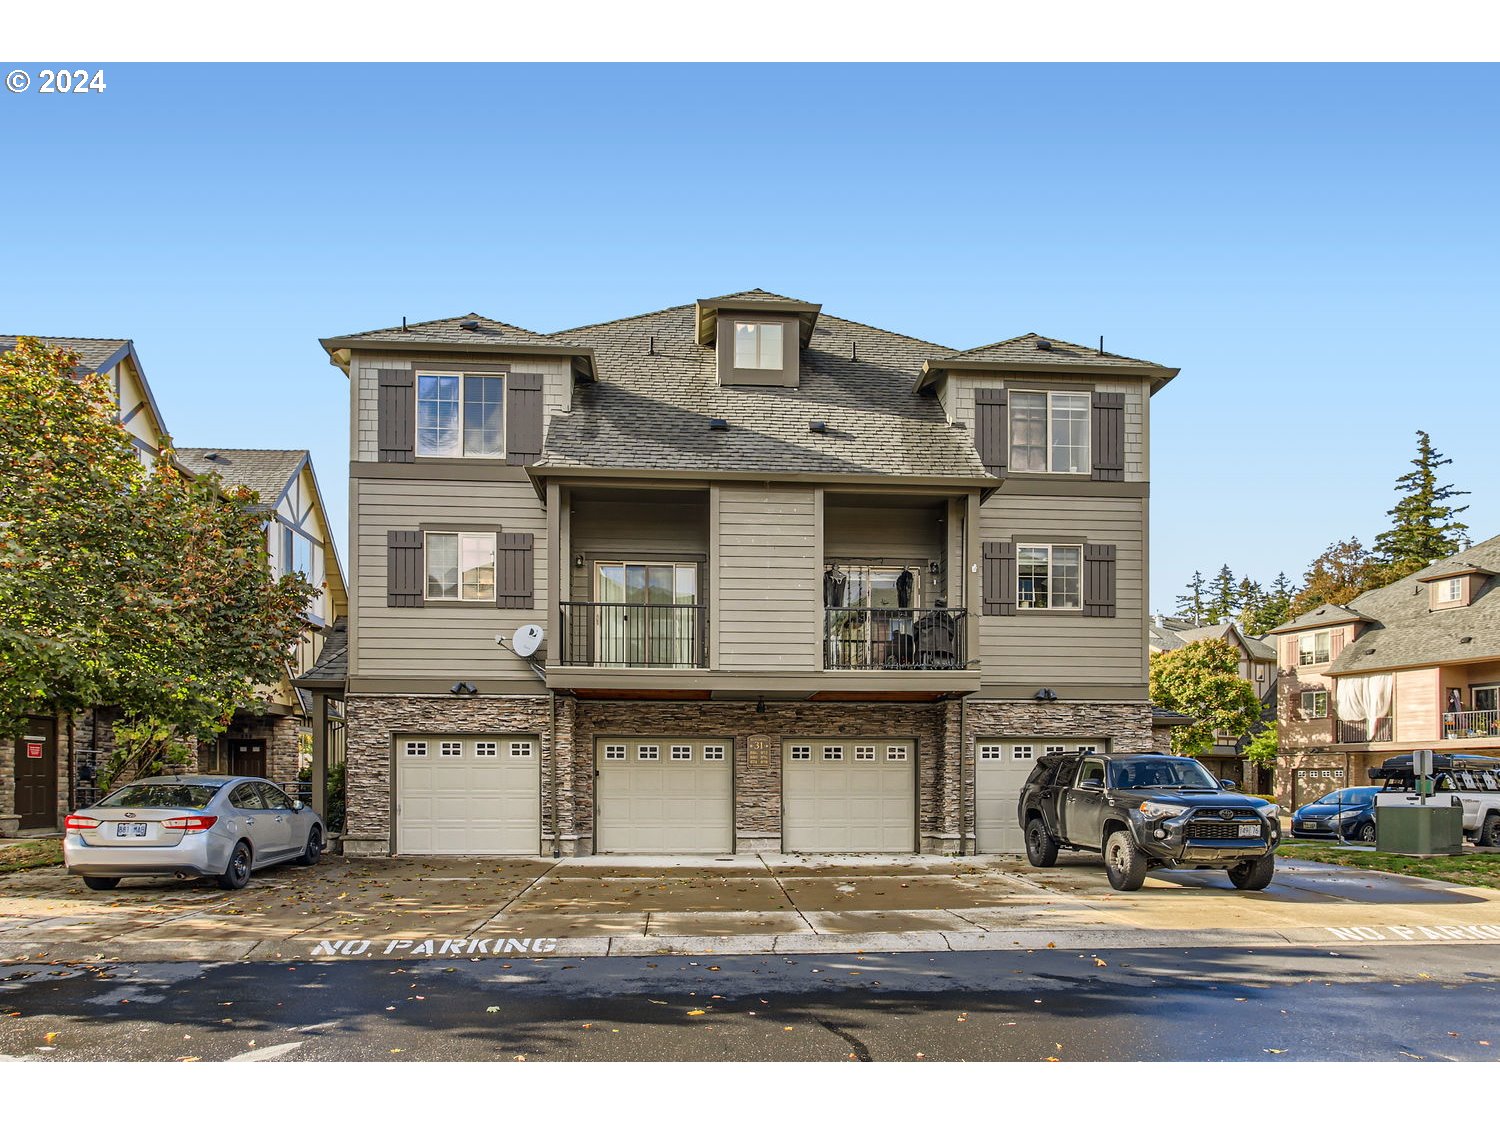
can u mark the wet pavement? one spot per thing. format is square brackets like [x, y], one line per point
[1398, 1004]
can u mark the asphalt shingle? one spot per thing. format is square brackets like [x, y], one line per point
[92, 353]
[267, 471]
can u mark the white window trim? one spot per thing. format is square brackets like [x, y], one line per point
[758, 326]
[416, 393]
[1450, 590]
[1051, 578]
[1311, 652]
[462, 535]
[1310, 712]
[1088, 436]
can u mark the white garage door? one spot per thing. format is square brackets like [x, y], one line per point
[855, 795]
[665, 796]
[1002, 770]
[468, 795]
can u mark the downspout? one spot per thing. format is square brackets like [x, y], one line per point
[963, 804]
[556, 797]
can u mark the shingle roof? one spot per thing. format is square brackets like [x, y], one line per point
[447, 331]
[1404, 632]
[652, 411]
[267, 471]
[1163, 639]
[332, 667]
[1324, 615]
[92, 353]
[1167, 639]
[1025, 349]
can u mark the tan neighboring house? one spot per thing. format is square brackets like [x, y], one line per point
[735, 575]
[1257, 666]
[55, 765]
[1413, 665]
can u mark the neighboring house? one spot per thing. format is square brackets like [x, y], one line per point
[55, 765]
[298, 540]
[799, 583]
[1412, 665]
[1257, 666]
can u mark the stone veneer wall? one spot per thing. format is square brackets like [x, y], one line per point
[282, 745]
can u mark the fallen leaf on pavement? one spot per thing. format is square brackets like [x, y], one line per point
[1274, 1050]
[697, 1012]
[1101, 962]
[51, 1035]
[189, 1058]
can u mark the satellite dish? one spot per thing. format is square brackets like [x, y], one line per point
[527, 639]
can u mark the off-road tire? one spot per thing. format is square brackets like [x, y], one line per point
[1041, 848]
[100, 882]
[1489, 833]
[1255, 875]
[314, 850]
[1124, 863]
[237, 872]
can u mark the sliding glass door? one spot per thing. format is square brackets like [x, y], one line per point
[648, 614]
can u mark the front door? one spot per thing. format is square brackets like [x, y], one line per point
[36, 774]
[247, 757]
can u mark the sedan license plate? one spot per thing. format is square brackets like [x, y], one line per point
[1250, 830]
[130, 830]
[1308, 825]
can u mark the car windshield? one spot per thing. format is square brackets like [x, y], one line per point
[1160, 773]
[1356, 796]
[160, 795]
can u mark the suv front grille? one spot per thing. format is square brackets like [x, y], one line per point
[1216, 830]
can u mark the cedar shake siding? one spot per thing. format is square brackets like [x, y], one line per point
[724, 498]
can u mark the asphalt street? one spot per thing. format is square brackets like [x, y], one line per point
[1396, 1003]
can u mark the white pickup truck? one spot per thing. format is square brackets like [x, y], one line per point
[1472, 780]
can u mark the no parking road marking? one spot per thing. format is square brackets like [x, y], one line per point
[1416, 933]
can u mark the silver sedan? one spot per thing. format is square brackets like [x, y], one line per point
[188, 826]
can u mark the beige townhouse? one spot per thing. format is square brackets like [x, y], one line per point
[734, 575]
[1412, 665]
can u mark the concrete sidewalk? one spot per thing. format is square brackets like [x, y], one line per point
[455, 907]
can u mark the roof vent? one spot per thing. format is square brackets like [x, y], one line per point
[1043, 344]
[1465, 640]
[718, 423]
[817, 427]
[1369, 652]
[469, 325]
[215, 456]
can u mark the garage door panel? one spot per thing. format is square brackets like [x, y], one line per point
[856, 800]
[664, 804]
[479, 800]
[1001, 770]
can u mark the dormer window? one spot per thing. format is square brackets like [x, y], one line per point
[460, 415]
[758, 347]
[1450, 590]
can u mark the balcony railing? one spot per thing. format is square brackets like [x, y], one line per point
[860, 639]
[1471, 724]
[1365, 730]
[620, 635]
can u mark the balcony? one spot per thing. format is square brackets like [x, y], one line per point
[1471, 724]
[632, 635]
[861, 639]
[1365, 730]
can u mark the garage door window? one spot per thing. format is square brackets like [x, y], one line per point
[682, 753]
[989, 753]
[520, 749]
[864, 753]
[801, 753]
[450, 749]
[486, 749]
[614, 753]
[416, 749]
[1019, 753]
[713, 753]
[648, 753]
[833, 753]
[895, 753]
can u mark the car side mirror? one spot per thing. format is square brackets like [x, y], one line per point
[298, 806]
[1091, 783]
[1225, 783]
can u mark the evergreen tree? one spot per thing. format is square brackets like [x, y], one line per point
[1251, 598]
[1222, 601]
[1191, 604]
[1276, 609]
[1425, 525]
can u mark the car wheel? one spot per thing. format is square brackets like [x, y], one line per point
[1123, 862]
[314, 850]
[237, 874]
[1489, 835]
[1255, 875]
[1041, 848]
[100, 882]
[1366, 833]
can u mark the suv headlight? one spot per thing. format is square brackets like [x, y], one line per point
[1157, 810]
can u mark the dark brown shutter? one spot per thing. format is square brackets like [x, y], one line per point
[397, 410]
[514, 561]
[405, 572]
[998, 578]
[523, 417]
[990, 436]
[1109, 435]
[1099, 580]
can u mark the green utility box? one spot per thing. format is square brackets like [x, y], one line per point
[1417, 829]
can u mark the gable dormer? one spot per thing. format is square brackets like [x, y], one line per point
[757, 337]
[1454, 588]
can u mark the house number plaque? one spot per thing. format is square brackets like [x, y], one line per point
[758, 748]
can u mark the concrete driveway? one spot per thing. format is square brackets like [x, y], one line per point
[448, 906]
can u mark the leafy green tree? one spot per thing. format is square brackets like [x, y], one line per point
[1337, 576]
[1425, 525]
[149, 591]
[1202, 680]
[1222, 601]
[1192, 603]
[1261, 749]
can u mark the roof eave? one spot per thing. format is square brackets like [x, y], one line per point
[341, 349]
[541, 472]
[1159, 376]
[707, 311]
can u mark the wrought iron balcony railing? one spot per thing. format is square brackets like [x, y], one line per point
[620, 635]
[861, 639]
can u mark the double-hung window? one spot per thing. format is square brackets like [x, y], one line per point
[460, 415]
[1049, 432]
[1315, 705]
[1313, 648]
[757, 347]
[1049, 576]
[460, 566]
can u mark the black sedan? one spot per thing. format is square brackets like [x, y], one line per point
[1347, 814]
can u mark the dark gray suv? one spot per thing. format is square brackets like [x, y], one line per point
[1146, 810]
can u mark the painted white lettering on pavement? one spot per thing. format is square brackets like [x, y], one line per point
[436, 947]
[1481, 932]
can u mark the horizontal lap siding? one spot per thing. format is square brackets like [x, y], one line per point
[1069, 648]
[896, 534]
[768, 613]
[635, 532]
[438, 640]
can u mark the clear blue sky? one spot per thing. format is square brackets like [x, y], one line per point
[1315, 247]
